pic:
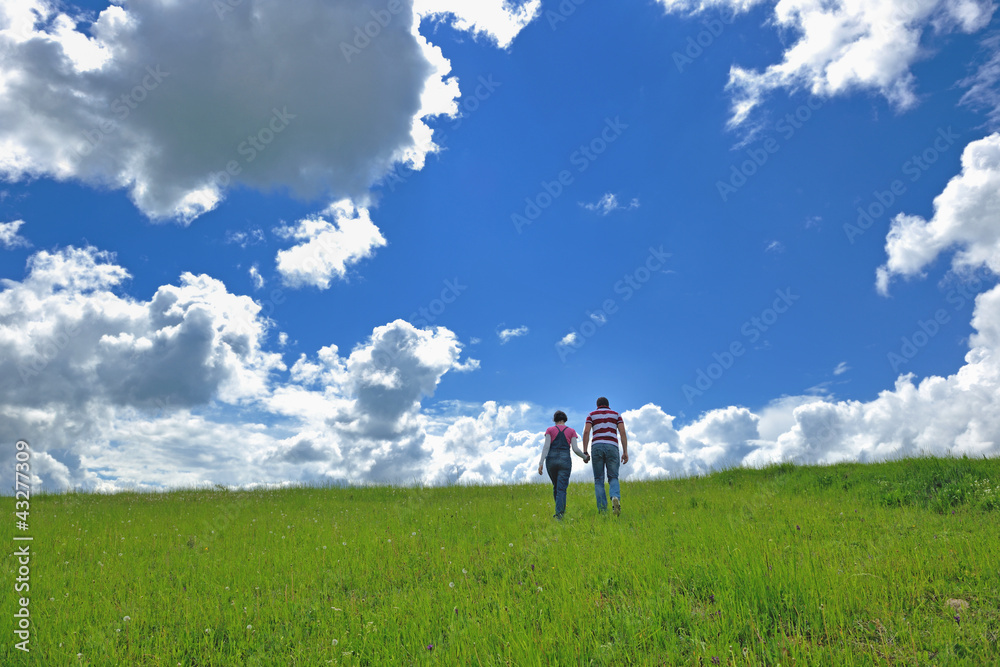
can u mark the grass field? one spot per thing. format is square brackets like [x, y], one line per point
[894, 563]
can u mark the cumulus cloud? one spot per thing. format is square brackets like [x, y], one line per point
[316, 98]
[498, 20]
[180, 389]
[9, 237]
[842, 46]
[68, 338]
[965, 217]
[572, 339]
[327, 249]
[609, 203]
[956, 414]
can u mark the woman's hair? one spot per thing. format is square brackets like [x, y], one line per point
[559, 416]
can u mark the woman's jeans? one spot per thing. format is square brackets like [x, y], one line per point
[559, 464]
[605, 455]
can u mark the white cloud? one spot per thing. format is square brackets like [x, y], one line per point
[983, 92]
[608, 203]
[68, 337]
[179, 389]
[258, 280]
[327, 249]
[965, 218]
[9, 237]
[775, 246]
[499, 20]
[267, 95]
[952, 415]
[569, 339]
[844, 45]
[957, 414]
[506, 334]
[243, 239]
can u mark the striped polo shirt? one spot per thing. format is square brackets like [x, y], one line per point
[604, 424]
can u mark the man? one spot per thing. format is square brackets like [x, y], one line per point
[606, 425]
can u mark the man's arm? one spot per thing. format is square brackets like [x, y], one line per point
[586, 437]
[624, 441]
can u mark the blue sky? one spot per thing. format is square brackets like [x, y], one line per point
[428, 243]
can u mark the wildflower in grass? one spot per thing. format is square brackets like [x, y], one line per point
[958, 619]
[464, 571]
[335, 642]
[430, 647]
[249, 627]
[715, 660]
[451, 584]
[797, 527]
[711, 598]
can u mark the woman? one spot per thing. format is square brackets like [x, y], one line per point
[555, 457]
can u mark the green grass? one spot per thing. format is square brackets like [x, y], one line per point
[842, 565]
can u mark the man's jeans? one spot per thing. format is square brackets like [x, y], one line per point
[560, 465]
[604, 455]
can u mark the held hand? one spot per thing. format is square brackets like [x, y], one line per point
[586, 458]
[624, 458]
[539, 468]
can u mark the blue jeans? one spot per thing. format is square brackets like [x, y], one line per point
[604, 455]
[559, 464]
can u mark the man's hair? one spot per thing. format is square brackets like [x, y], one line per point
[559, 416]
[602, 402]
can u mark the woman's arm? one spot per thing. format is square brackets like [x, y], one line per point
[576, 449]
[545, 452]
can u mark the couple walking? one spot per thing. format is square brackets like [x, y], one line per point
[604, 424]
